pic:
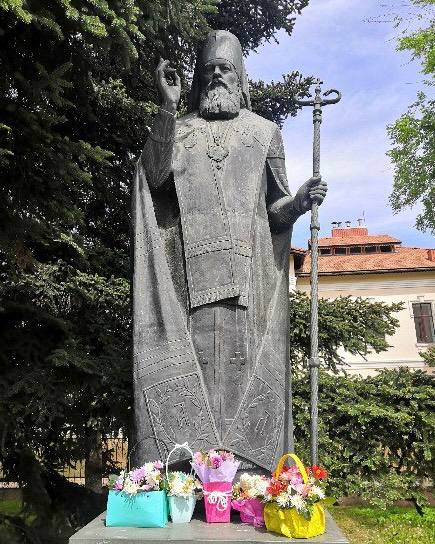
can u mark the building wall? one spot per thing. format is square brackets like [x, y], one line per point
[407, 287]
[291, 274]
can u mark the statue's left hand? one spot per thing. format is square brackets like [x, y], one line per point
[313, 190]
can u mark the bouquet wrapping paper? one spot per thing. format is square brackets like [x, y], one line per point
[217, 498]
[251, 511]
[216, 470]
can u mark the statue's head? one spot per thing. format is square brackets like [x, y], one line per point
[220, 86]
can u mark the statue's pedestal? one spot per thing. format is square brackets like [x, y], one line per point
[196, 531]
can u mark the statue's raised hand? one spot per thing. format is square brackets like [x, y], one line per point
[169, 85]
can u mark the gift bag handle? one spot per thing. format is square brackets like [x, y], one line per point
[184, 446]
[298, 463]
[140, 442]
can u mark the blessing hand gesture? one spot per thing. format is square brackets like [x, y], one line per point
[169, 85]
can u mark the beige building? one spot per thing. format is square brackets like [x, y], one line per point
[352, 262]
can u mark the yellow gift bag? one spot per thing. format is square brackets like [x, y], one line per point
[287, 521]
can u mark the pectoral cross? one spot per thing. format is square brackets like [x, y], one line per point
[238, 359]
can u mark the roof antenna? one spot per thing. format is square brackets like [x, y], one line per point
[362, 220]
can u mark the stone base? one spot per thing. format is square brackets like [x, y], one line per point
[196, 531]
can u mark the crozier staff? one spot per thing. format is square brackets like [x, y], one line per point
[317, 102]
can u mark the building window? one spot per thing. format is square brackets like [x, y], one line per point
[423, 321]
[325, 251]
[370, 249]
[340, 251]
[355, 250]
[386, 249]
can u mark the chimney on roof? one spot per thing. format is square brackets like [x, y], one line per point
[347, 223]
[431, 255]
[349, 232]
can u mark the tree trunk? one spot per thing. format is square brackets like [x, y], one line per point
[94, 463]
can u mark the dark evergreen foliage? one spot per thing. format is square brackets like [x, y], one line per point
[77, 94]
[376, 434]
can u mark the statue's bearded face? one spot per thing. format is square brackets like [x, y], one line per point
[220, 95]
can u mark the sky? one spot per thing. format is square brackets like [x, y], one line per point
[336, 41]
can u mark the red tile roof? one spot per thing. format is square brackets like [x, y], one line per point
[403, 258]
[357, 240]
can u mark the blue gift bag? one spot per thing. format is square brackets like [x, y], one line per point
[181, 508]
[144, 509]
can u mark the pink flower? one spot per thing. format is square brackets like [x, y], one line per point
[158, 465]
[137, 475]
[303, 490]
[226, 455]
[296, 480]
[293, 470]
[215, 458]
[197, 458]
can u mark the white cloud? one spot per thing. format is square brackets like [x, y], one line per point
[332, 40]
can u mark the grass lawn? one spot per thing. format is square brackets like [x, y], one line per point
[397, 525]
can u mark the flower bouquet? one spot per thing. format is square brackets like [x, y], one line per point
[247, 495]
[182, 491]
[216, 470]
[294, 498]
[182, 494]
[137, 498]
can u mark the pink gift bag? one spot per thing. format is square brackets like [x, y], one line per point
[217, 499]
[251, 511]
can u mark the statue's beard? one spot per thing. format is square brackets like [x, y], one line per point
[219, 101]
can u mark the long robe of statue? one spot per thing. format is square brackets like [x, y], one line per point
[210, 281]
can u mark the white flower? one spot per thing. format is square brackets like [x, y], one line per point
[282, 500]
[253, 485]
[153, 478]
[246, 481]
[177, 487]
[261, 485]
[182, 484]
[149, 467]
[296, 501]
[130, 487]
[317, 490]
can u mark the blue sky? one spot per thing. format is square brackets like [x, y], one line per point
[334, 40]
